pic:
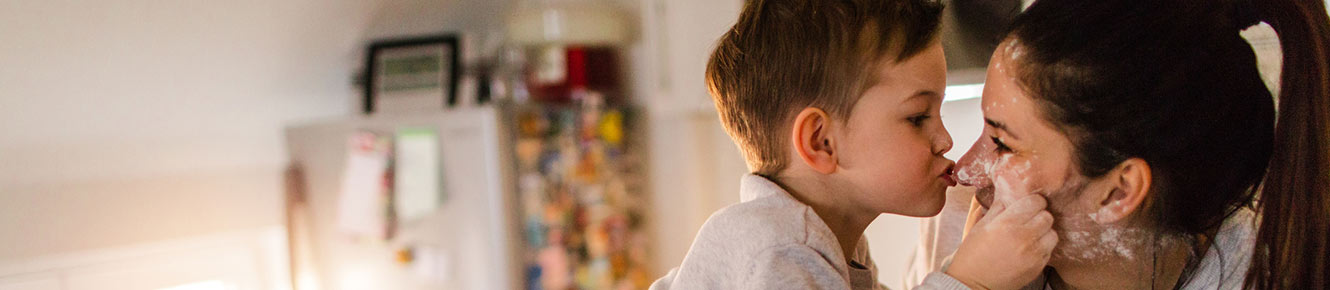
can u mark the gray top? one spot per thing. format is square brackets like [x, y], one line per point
[772, 241]
[1225, 263]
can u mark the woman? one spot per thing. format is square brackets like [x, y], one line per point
[1151, 133]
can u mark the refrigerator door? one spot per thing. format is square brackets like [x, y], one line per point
[466, 243]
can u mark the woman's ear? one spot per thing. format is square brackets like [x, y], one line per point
[812, 140]
[1129, 187]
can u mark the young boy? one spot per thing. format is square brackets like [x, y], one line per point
[834, 104]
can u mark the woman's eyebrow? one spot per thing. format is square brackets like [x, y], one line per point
[1001, 126]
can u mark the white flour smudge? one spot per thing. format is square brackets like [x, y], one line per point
[977, 172]
[1013, 49]
[1083, 240]
[1087, 244]
[1011, 180]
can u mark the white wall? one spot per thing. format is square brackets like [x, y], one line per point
[135, 121]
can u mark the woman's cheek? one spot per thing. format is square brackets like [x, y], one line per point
[1011, 179]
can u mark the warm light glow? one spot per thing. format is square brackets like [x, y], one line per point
[306, 280]
[963, 92]
[205, 285]
[357, 277]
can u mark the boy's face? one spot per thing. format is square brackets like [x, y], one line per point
[893, 141]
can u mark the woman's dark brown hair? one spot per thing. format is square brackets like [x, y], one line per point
[1173, 83]
[1293, 244]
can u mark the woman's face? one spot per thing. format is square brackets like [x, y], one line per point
[1020, 153]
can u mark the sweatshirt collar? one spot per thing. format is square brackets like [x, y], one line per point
[754, 186]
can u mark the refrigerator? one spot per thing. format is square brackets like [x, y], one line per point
[500, 196]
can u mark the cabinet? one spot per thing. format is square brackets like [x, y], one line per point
[679, 36]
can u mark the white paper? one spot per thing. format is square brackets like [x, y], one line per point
[432, 264]
[360, 208]
[416, 173]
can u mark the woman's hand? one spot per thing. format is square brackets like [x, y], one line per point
[1008, 247]
[976, 212]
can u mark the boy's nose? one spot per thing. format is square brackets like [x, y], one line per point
[942, 143]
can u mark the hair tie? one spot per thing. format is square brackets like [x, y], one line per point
[1269, 55]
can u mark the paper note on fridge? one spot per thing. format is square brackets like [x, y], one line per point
[416, 173]
[362, 205]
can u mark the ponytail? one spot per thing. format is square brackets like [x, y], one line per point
[1293, 243]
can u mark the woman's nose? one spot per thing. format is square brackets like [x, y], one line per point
[973, 168]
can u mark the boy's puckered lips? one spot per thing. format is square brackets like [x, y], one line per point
[949, 175]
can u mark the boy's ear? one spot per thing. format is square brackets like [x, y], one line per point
[1129, 187]
[812, 140]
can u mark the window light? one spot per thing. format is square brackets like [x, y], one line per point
[963, 92]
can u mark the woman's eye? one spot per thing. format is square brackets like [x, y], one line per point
[1001, 147]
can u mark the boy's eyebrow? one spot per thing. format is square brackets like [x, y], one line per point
[1001, 126]
[925, 93]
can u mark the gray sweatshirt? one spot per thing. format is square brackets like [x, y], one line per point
[772, 241]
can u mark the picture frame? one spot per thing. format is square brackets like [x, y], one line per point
[412, 74]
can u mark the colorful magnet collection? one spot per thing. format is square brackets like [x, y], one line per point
[581, 208]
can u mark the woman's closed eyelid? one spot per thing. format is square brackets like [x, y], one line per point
[1000, 147]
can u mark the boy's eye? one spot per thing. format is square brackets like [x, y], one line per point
[1001, 147]
[918, 120]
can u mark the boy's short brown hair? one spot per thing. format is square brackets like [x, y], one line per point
[784, 55]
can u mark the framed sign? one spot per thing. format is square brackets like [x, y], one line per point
[415, 74]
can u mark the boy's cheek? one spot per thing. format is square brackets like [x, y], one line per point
[938, 202]
[930, 202]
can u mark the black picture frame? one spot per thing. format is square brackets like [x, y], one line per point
[372, 80]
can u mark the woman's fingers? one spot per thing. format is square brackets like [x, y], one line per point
[1042, 221]
[1026, 207]
[1046, 244]
[996, 212]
